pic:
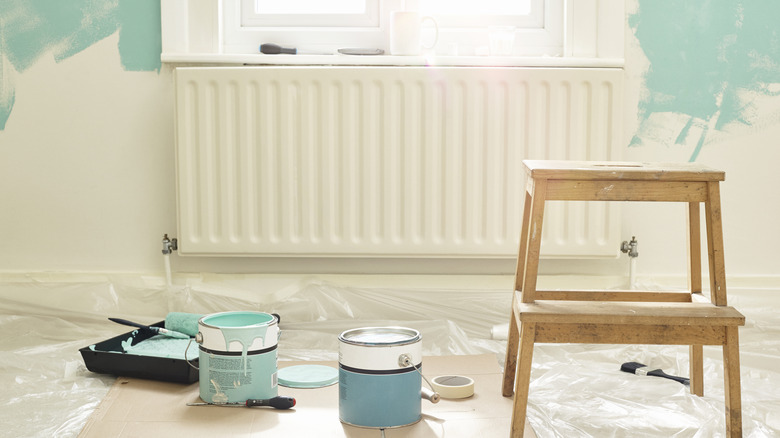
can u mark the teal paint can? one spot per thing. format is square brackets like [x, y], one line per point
[380, 380]
[238, 356]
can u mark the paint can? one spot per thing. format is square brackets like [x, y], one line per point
[380, 377]
[238, 356]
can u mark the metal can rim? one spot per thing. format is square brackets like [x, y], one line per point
[413, 336]
[202, 320]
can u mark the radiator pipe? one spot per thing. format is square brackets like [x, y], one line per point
[630, 248]
[169, 245]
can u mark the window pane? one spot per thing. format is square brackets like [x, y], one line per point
[472, 7]
[310, 6]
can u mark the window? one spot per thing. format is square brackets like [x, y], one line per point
[463, 25]
[309, 13]
[471, 13]
[346, 13]
[231, 31]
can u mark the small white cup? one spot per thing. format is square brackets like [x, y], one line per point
[405, 33]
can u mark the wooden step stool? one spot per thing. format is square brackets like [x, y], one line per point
[623, 317]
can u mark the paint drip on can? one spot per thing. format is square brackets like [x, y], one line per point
[238, 356]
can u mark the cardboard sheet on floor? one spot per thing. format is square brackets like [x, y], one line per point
[137, 407]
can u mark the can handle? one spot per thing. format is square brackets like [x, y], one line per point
[429, 395]
[198, 339]
[405, 360]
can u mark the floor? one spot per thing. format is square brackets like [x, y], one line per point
[576, 390]
[124, 412]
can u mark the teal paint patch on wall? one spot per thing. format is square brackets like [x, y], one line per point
[7, 94]
[140, 35]
[708, 61]
[32, 28]
[29, 29]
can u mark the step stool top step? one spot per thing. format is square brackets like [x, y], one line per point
[620, 170]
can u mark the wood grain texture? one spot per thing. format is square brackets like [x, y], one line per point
[610, 190]
[614, 295]
[696, 368]
[614, 170]
[639, 334]
[594, 312]
[523, 379]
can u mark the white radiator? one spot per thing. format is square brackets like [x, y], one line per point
[386, 161]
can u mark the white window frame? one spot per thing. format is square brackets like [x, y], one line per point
[370, 18]
[210, 31]
[534, 20]
[542, 32]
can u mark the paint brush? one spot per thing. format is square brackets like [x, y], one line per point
[278, 402]
[643, 370]
[158, 330]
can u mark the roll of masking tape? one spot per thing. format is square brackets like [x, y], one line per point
[453, 386]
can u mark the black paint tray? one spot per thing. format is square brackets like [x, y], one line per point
[108, 357]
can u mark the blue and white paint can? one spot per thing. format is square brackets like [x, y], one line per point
[238, 356]
[380, 377]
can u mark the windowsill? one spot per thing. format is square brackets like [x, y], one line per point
[383, 60]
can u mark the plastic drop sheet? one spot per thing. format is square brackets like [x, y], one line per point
[576, 390]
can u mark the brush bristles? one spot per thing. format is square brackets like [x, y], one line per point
[631, 367]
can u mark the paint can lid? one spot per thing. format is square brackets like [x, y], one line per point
[307, 376]
[380, 336]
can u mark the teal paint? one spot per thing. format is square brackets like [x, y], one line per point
[140, 35]
[163, 346]
[7, 93]
[705, 57]
[30, 29]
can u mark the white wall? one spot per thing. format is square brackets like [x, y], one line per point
[87, 182]
[86, 166]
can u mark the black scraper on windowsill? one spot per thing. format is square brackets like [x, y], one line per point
[643, 370]
[276, 49]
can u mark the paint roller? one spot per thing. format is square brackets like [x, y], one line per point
[181, 322]
[177, 325]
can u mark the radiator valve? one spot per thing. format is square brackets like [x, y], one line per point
[169, 245]
[630, 247]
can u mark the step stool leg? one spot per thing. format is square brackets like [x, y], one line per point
[696, 356]
[523, 379]
[522, 253]
[696, 369]
[733, 392]
[694, 248]
[534, 240]
[510, 363]
[715, 245]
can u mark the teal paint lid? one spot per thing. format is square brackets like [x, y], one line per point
[307, 376]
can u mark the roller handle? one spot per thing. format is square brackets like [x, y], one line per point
[154, 329]
[279, 402]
